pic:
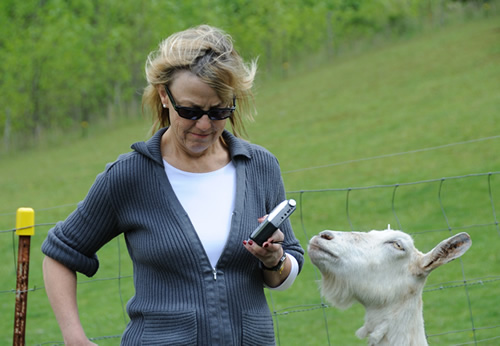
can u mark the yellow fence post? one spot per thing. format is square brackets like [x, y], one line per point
[25, 228]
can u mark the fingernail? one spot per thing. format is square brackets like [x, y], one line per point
[250, 242]
[266, 245]
[244, 242]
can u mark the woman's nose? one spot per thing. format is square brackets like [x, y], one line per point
[204, 122]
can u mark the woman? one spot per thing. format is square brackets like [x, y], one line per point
[186, 201]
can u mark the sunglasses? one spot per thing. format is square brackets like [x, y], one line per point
[196, 113]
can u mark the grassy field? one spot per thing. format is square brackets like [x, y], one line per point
[345, 134]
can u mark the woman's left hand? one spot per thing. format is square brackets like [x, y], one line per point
[271, 251]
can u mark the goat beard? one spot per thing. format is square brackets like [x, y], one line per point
[337, 292]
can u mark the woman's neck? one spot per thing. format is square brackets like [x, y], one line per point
[212, 159]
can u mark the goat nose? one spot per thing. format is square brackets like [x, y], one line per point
[326, 235]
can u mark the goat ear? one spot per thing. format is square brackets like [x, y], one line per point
[446, 251]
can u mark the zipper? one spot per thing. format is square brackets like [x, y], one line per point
[214, 271]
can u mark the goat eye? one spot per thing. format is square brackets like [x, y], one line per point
[398, 245]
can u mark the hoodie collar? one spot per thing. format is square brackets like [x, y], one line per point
[152, 147]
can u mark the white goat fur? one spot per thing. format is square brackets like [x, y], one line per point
[384, 272]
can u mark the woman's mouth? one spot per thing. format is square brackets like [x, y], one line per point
[200, 135]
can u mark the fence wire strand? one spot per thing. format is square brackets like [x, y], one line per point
[392, 154]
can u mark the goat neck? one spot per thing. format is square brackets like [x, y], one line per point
[400, 323]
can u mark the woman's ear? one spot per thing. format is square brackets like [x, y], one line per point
[163, 95]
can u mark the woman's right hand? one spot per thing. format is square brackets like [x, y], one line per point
[85, 342]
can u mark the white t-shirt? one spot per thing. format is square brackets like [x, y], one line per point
[208, 199]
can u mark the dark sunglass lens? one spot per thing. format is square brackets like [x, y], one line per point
[213, 114]
[192, 114]
[220, 114]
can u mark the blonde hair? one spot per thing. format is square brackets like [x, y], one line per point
[207, 52]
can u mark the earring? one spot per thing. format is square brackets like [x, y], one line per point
[164, 106]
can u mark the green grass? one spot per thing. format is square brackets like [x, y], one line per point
[429, 91]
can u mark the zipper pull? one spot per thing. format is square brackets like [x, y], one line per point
[214, 271]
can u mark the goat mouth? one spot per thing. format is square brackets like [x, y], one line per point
[317, 248]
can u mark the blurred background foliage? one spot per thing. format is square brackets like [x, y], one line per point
[69, 64]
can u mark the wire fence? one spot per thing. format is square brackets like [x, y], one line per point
[460, 300]
[456, 215]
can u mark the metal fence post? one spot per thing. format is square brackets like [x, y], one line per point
[25, 228]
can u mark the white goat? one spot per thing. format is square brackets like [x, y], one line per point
[385, 273]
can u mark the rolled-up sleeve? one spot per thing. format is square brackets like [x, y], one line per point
[75, 241]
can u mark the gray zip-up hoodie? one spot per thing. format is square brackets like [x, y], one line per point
[179, 297]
